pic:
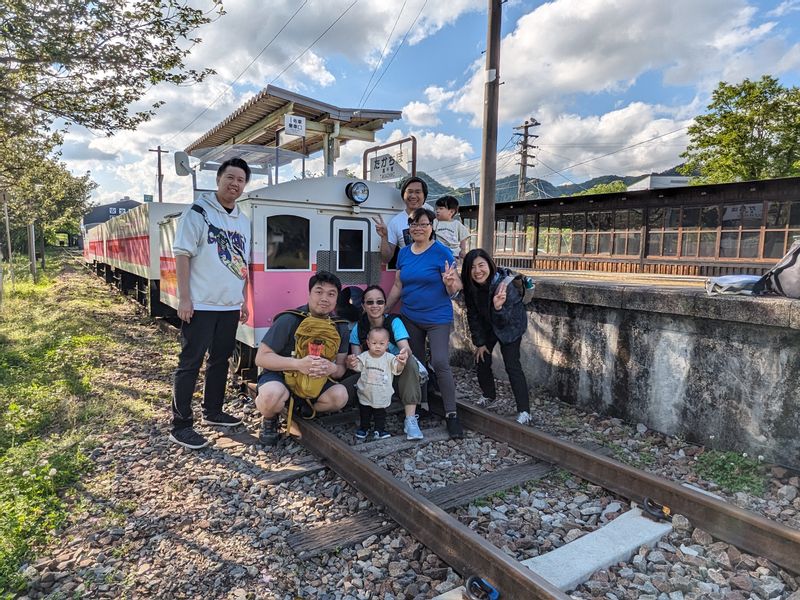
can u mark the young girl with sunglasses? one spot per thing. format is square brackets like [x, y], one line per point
[407, 384]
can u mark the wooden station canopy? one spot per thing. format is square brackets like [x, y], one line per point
[259, 121]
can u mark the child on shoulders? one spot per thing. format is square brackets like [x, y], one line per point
[449, 231]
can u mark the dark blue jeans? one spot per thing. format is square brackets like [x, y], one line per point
[208, 331]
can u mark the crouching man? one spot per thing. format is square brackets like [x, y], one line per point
[301, 354]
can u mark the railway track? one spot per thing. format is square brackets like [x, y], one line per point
[423, 514]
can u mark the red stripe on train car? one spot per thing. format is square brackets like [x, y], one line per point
[134, 249]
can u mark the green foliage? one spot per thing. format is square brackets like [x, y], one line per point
[87, 62]
[751, 131]
[605, 188]
[732, 471]
[33, 474]
[49, 409]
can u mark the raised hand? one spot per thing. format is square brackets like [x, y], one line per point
[500, 296]
[352, 361]
[402, 356]
[380, 226]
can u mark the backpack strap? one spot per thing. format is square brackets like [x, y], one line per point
[387, 324]
[294, 312]
[199, 209]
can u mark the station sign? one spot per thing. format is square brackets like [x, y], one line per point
[294, 125]
[148, 197]
[385, 168]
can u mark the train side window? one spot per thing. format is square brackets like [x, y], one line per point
[288, 243]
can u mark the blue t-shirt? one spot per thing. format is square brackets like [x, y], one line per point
[399, 332]
[425, 298]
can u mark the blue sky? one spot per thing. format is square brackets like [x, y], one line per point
[599, 75]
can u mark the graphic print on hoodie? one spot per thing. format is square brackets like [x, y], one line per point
[230, 246]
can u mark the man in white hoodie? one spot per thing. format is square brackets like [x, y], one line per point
[212, 251]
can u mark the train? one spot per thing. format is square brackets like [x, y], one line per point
[297, 227]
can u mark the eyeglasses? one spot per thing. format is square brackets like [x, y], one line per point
[414, 225]
[371, 302]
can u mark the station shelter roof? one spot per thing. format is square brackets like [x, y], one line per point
[259, 121]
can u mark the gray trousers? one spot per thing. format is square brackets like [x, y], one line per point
[438, 337]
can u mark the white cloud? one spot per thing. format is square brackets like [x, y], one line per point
[638, 138]
[425, 114]
[228, 46]
[564, 48]
[784, 8]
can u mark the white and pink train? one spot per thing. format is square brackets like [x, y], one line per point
[298, 227]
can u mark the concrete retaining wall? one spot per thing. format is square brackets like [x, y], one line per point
[723, 371]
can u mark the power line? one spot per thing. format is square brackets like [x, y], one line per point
[319, 37]
[400, 45]
[383, 53]
[230, 85]
[625, 148]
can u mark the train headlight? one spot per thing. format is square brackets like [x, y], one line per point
[357, 191]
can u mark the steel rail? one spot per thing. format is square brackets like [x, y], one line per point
[456, 544]
[742, 528]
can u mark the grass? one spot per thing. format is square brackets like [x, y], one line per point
[732, 471]
[56, 396]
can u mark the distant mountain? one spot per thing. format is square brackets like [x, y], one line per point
[570, 189]
[506, 187]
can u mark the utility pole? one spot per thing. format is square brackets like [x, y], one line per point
[491, 91]
[160, 176]
[32, 248]
[8, 239]
[523, 152]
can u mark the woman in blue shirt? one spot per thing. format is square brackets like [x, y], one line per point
[426, 281]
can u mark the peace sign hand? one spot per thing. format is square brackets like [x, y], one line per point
[380, 226]
[500, 296]
[451, 279]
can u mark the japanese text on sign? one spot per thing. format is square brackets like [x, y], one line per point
[385, 167]
[294, 125]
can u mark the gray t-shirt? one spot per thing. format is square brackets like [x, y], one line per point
[280, 336]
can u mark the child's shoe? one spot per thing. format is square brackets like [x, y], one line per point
[361, 434]
[381, 435]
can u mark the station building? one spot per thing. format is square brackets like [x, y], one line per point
[703, 230]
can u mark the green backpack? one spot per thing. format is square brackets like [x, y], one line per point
[317, 336]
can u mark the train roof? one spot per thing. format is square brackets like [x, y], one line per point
[259, 120]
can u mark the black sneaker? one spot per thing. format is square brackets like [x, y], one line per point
[269, 432]
[454, 426]
[222, 419]
[188, 438]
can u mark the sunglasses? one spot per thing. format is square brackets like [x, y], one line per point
[371, 302]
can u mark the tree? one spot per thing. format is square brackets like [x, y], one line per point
[47, 193]
[752, 131]
[605, 188]
[87, 62]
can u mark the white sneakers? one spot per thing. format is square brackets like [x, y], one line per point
[524, 418]
[484, 401]
[411, 428]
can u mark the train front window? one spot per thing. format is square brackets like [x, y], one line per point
[351, 250]
[287, 243]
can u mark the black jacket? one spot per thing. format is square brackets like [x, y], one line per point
[485, 323]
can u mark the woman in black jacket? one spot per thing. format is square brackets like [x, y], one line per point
[495, 314]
